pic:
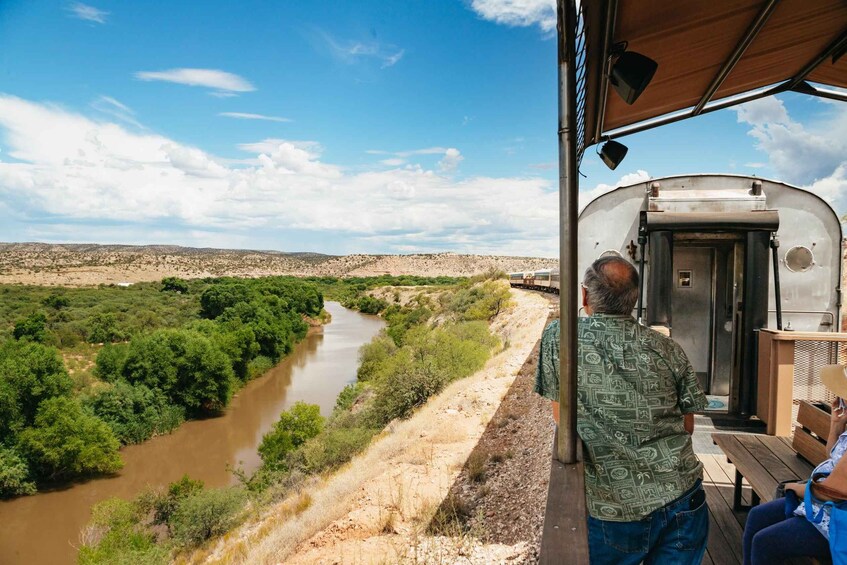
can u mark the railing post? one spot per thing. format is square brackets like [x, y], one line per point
[566, 451]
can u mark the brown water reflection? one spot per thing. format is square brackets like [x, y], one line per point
[45, 528]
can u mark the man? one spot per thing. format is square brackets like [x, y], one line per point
[636, 394]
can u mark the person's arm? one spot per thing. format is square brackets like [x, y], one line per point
[555, 411]
[837, 423]
[689, 423]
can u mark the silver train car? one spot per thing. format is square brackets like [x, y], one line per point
[545, 280]
[721, 257]
[706, 246]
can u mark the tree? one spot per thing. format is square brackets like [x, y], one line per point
[32, 327]
[295, 426]
[103, 328]
[65, 442]
[57, 301]
[14, 474]
[110, 361]
[185, 365]
[174, 284]
[29, 374]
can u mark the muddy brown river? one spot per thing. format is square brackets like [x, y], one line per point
[45, 528]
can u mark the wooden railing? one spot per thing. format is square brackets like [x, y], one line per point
[781, 355]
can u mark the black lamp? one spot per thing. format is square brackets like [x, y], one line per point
[631, 73]
[613, 153]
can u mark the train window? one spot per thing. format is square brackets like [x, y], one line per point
[611, 253]
[799, 259]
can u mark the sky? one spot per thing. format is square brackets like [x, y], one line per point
[334, 127]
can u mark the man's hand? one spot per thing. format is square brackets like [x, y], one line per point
[689, 423]
[555, 411]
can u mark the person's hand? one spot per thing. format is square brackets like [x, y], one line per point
[838, 417]
[798, 488]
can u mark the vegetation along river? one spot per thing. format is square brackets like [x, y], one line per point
[45, 528]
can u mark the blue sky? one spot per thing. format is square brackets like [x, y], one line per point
[330, 126]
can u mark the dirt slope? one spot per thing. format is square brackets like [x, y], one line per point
[379, 507]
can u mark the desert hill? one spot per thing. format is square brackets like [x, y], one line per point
[91, 264]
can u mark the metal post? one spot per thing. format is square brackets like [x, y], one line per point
[566, 450]
[642, 243]
[776, 289]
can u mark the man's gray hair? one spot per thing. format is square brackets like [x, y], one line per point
[612, 286]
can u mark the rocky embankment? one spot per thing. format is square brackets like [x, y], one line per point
[80, 265]
[463, 480]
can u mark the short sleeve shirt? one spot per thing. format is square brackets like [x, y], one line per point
[633, 387]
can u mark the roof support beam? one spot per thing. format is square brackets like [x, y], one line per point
[831, 49]
[603, 90]
[755, 27]
[806, 88]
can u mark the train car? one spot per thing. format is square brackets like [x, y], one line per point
[721, 257]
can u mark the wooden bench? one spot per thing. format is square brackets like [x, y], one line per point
[765, 461]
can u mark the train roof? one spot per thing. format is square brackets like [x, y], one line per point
[710, 55]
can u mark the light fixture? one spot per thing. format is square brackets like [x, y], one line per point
[631, 72]
[613, 153]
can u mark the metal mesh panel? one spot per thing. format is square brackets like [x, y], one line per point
[809, 357]
[581, 72]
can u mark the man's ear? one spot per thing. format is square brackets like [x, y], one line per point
[584, 296]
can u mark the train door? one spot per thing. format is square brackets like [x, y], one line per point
[703, 312]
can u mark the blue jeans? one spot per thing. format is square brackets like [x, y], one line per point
[773, 534]
[675, 534]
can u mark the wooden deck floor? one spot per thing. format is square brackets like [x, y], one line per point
[725, 525]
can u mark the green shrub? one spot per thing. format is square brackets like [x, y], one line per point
[56, 301]
[164, 506]
[185, 365]
[110, 361]
[103, 328]
[14, 474]
[65, 442]
[372, 356]
[348, 395]
[332, 448]
[295, 426]
[206, 514]
[135, 413]
[370, 305]
[404, 389]
[29, 374]
[33, 327]
[174, 284]
[121, 538]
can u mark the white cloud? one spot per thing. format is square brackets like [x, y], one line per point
[88, 13]
[813, 156]
[451, 157]
[224, 83]
[521, 13]
[352, 51]
[76, 171]
[111, 107]
[755, 165]
[451, 160]
[246, 116]
[586, 196]
[801, 154]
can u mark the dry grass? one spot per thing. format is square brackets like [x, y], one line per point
[377, 508]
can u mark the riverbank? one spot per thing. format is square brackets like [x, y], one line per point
[45, 528]
[378, 508]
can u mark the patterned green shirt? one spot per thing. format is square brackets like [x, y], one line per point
[633, 386]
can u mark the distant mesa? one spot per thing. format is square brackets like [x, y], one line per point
[83, 264]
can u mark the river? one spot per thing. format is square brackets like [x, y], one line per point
[45, 528]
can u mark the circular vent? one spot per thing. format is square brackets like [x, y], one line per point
[611, 253]
[799, 259]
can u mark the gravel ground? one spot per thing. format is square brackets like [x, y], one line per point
[503, 486]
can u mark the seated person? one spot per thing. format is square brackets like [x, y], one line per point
[779, 530]
[636, 394]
